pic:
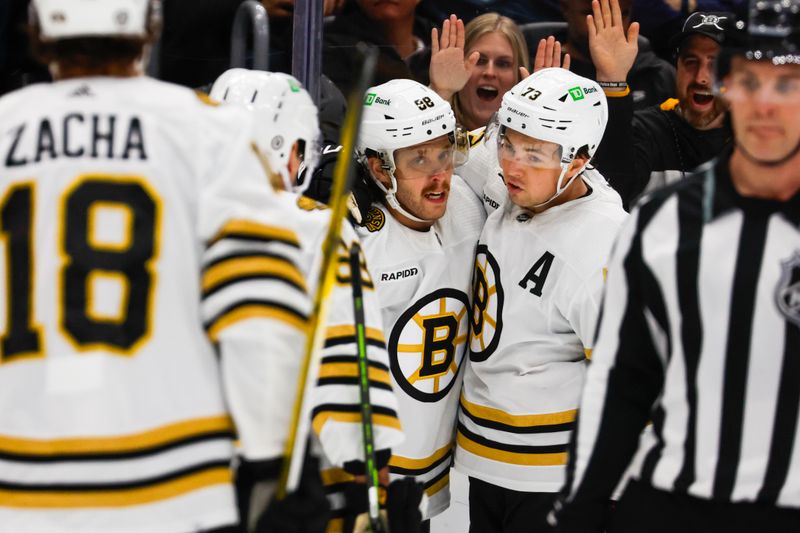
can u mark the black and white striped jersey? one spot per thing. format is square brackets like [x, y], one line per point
[700, 333]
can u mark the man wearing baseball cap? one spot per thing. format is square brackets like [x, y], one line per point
[658, 145]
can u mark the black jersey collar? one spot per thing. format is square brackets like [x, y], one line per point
[725, 197]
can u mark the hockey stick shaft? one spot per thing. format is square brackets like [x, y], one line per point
[372, 482]
[343, 175]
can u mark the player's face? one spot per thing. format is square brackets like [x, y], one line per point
[530, 168]
[765, 107]
[388, 10]
[423, 175]
[694, 81]
[493, 75]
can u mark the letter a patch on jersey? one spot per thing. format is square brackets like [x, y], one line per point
[428, 343]
[538, 274]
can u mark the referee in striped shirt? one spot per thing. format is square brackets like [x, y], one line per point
[700, 327]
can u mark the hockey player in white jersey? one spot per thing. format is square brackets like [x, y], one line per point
[288, 137]
[419, 238]
[538, 278]
[152, 302]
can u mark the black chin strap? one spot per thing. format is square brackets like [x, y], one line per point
[774, 163]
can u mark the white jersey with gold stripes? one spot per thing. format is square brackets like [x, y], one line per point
[150, 292]
[538, 283]
[423, 281]
[336, 415]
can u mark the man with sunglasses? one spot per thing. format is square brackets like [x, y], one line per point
[701, 325]
[419, 238]
[538, 277]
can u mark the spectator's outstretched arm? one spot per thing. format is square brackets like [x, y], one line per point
[449, 71]
[613, 53]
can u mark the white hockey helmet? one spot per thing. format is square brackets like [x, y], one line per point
[286, 114]
[402, 113]
[557, 106]
[64, 19]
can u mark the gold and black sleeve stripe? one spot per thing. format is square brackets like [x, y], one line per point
[437, 482]
[522, 424]
[116, 494]
[242, 266]
[343, 370]
[253, 231]
[511, 453]
[337, 335]
[381, 416]
[148, 443]
[255, 308]
[416, 467]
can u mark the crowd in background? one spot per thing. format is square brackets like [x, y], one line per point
[195, 44]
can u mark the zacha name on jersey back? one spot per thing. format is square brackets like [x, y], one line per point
[94, 135]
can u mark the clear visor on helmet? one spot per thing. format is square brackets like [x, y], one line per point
[433, 157]
[460, 139]
[780, 86]
[517, 148]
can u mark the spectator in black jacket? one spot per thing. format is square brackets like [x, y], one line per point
[651, 79]
[401, 36]
[676, 136]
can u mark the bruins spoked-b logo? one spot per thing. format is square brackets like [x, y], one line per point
[428, 343]
[487, 306]
[787, 293]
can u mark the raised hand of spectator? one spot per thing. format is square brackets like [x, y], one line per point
[613, 52]
[449, 71]
[548, 54]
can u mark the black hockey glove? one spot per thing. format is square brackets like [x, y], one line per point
[355, 492]
[304, 511]
[402, 504]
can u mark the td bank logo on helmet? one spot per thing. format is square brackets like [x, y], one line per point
[577, 93]
[373, 98]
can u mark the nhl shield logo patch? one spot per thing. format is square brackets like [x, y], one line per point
[787, 294]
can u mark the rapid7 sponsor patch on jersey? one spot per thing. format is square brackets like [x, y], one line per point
[403, 273]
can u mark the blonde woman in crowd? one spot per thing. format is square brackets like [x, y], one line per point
[494, 48]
